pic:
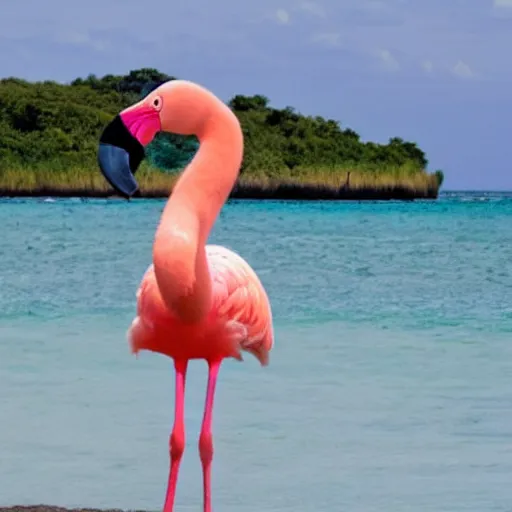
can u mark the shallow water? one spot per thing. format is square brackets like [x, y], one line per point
[389, 388]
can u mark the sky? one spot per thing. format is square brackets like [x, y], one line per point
[437, 72]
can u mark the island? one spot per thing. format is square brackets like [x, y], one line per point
[49, 138]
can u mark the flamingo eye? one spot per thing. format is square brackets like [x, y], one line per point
[157, 103]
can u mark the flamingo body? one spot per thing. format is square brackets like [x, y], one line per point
[195, 301]
[240, 317]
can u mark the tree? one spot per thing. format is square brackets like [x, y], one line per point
[46, 121]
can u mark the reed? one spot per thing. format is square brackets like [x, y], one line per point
[348, 182]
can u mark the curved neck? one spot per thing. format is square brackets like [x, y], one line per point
[179, 256]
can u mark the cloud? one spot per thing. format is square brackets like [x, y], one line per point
[502, 8]
[387, 60]
[79, 38]
[506, 4]
[462, 70]
[427, 66]
[419, 39]
[282, 16]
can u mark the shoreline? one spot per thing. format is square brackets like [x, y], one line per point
[282, 191]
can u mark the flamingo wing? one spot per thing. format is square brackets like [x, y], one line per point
[240, 301]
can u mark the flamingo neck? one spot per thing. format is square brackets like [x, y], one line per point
[179, 255]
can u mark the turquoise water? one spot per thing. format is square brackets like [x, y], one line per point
[389, 389]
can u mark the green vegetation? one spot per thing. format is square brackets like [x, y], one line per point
[49, 136]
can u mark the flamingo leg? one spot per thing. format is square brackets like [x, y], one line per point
[205, 439]
[177, 438]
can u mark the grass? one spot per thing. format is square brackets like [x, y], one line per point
[300, 184]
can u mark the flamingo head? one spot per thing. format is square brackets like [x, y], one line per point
[122, 143]
[176, 106]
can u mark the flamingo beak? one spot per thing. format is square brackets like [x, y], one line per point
[121, 147]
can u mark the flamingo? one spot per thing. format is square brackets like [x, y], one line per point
[195, 301]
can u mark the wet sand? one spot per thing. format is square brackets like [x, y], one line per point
[51, 508]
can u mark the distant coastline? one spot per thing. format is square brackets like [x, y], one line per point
[342, 185]
[53, 508]
[49, 135]
[283, 191]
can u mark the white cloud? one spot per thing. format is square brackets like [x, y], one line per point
[427, 66]
[387, 60]
[507, 4]
[327, 38]
[282, 16]
[462, 70]
[502, 8]
[81, 38]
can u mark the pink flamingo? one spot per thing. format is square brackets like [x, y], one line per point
[195, 301]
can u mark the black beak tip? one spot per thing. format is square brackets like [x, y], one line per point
[119, 156]
[114, 164]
